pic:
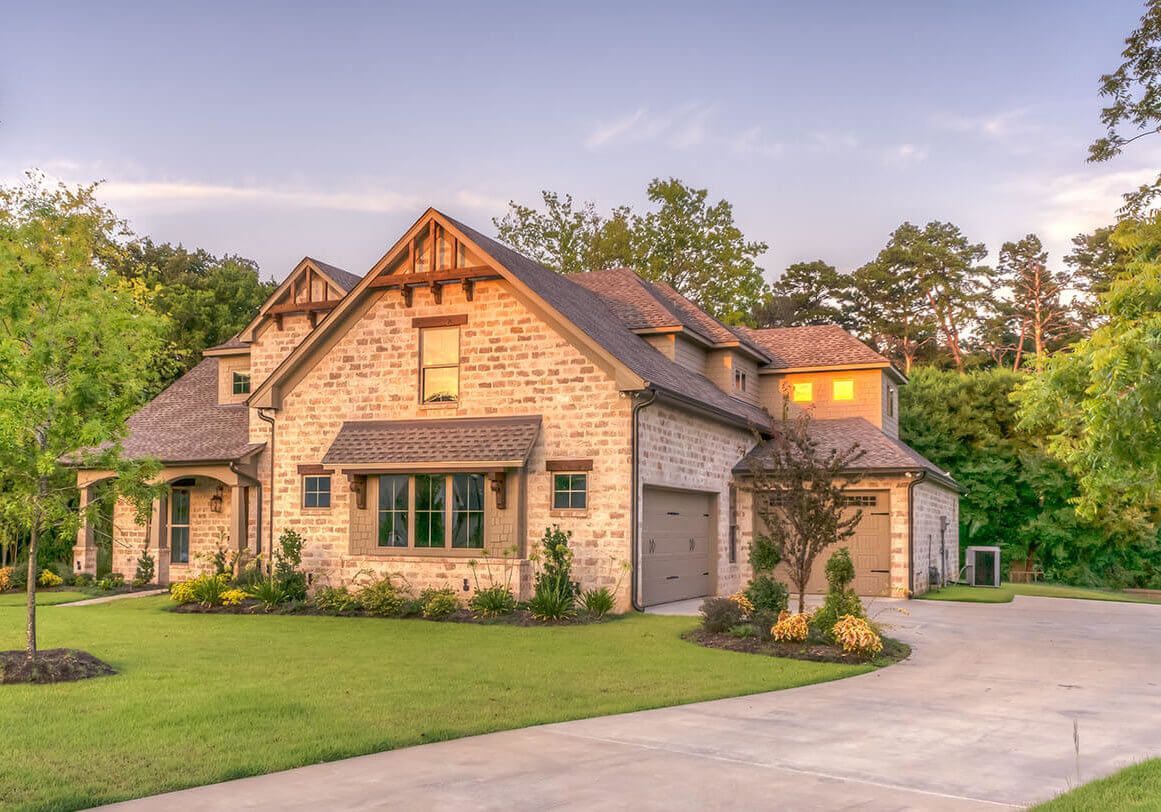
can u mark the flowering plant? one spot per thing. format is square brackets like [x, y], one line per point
[857, 636]
[791, 628]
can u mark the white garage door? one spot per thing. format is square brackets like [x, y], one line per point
[675, 545]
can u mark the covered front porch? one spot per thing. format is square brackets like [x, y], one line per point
[206, 507]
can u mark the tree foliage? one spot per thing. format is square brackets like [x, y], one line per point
[75, 348]
[807, 293]
[685, 241]
[799, 490]
[1133, 89]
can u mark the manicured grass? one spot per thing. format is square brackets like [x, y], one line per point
[1005, 593]
[1136, 787]
[9, 599]
[206, 698]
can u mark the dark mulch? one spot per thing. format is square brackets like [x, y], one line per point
[816, 652]
[521, 617]
[50, 665]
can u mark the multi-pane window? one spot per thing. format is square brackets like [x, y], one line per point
[316, 491]
[241, 383]
[439, 364]
[394, 510]
[890, 401]
[468, 511]
[430, 509]
[570, 491]
[739, 381]
[802, 392]
[844, 390]
[179, 526]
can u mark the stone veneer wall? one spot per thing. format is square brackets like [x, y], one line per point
[931, 502]
[681, 450]
[512, 363]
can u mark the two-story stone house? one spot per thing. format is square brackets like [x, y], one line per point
[459, 398]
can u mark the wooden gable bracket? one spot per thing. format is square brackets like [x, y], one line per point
[437, 292]
[470, 289]
[358, 485]
[278, 320]
[500, 488]
[407, 291]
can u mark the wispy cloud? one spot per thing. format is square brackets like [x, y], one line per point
[904, 154]
[833, 141]
[1081, 201]
[997, 125]
[686, 126]
[753, 141]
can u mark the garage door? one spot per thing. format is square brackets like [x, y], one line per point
[675, 545]
[870, 547]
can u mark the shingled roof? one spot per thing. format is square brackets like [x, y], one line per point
[592, 315]
[344, 279]
[824, 345]
[452, 440]
[185, 423]
[881, 452]
[233, 343]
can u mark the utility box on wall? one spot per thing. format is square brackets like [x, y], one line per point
[983, 566]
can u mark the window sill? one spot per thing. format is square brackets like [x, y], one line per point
[569, 513]
[439, 406]
[315, 509]
[424, 552]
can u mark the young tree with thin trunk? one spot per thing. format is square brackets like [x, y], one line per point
[799, 495]
[76, 346]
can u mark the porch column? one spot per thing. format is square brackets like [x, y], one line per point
[85, 551]
[239, 521]
[159, 539]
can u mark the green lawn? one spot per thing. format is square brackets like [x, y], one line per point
[205, 698]
[983, 594]
[1136, 787]
[10, 599]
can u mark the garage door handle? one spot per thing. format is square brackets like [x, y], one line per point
[672, 577]
[691, 545]
[881, 571]
[652, 545]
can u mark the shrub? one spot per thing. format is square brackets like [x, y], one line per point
[337, 600]
[412, 607]
[840, 570]
[791, 628]
[720, 615]
[144, 572]
[767, 594]
[763, 621]
[384, 598]
[181, 592]
[268, 592]
[840, 599]
[19, 576]
[494, 601]
[287, 560]
[546, 605]
[83, 579]
[234, 597]
[744, 603]
[220, 558]
[742, 630]
[209, 589]
[111, 582]
[598, 602]
[555, 563]
[439, 602]
[857, 636]
[249, 574]
[5, 578]
[48, 578]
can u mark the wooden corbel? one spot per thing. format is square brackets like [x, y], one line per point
[407, 292]
[358, 485]
[500, 488]
[437, 292]
[469, 289]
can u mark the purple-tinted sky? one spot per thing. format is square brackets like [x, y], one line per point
[326, 128]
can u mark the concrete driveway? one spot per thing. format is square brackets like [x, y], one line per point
[980, 717]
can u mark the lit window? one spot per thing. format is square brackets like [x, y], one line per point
[844, 390]
[241, 383]
[802, 392]
[570, 491]
[316, 492]
[439, 362]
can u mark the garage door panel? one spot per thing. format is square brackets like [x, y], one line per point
[676, 545]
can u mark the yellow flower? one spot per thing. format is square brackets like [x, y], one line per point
[744, 603]
[791, 628]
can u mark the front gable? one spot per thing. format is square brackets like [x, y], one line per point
[432, 258]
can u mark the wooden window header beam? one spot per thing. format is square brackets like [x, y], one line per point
[568, 465]
[456, 320]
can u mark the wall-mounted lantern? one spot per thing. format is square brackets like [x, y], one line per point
[216, 500]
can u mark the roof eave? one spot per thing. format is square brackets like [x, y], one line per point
[681, 401]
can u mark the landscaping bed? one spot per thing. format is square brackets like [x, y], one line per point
[519, 617]
[810, 651]
[50, 665]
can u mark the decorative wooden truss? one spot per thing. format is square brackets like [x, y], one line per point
[310, 306]
[425, 265]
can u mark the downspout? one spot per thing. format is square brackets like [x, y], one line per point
[634, 508]
[911, 532]
[267, 419]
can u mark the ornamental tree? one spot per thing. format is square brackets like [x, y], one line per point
[76, 346]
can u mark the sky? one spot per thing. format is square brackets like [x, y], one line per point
[325, 129]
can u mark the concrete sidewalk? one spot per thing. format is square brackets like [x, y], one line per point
[980, 717]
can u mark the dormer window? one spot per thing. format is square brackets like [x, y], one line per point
[890, 401]
[241, 383]
[802, 392]
[739, 381]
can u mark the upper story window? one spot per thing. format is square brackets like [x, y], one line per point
[439, 364]
[241, 383]
[890, 401]
[739, 381]
[802, 392]
[844, 390]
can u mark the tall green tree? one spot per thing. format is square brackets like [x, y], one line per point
[684, 241]
[955, 285]
[1094, 262]
[206, 299]
[76, 346]
[893, 310]
[813, 292]
[566, 237]
[1035, 291]
[1133, 90]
